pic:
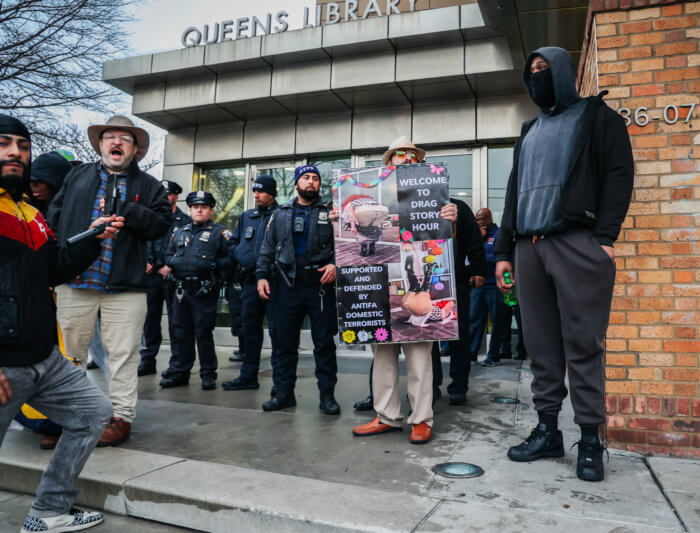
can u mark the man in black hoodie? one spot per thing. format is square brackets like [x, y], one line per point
[567, 196]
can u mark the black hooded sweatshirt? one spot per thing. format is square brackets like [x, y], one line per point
[595, 186]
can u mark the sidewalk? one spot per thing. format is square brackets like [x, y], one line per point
[213, 460]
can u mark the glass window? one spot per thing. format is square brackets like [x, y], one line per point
[500, 162]
[228, 187]
[284, 176]
[326, 166]
[459, 167]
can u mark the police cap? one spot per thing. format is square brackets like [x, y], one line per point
[171, 187]
[200, 197]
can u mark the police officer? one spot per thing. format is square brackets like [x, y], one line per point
[248, 238]
[158, 288]
[197, 254]
[298, 251]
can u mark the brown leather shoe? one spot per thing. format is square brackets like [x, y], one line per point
[117, 432]
[48, 442]
[421, 433]
[375, 427]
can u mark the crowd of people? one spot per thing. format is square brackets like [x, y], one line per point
[563, 210]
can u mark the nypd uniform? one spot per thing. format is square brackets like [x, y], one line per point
[298, 241]
[248, 235]
[159, 290]
[197, 253]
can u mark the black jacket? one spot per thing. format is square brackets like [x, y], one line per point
[31, 261]
[278, 244]
[200, 250]
[248, 236]
[146, 213]
[598, 191]
[156, 250]
[468, 244]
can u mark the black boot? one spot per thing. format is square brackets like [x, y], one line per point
[543, 442]
[363, 249]
[237, 357]
[589, 466]
[281, 401]
[427, 277]
[365, 405]
[240, 384]
[147, 367]
[175, 379]
[328, 404]
[413, 284]
[208, 381]
[167, 373]
[370, 248]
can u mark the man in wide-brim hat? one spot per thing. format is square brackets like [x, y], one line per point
[115, 284]
[403, 149]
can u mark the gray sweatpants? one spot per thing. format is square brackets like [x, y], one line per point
[62, 392]
[564, 285]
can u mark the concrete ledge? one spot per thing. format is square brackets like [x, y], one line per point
[212, 497]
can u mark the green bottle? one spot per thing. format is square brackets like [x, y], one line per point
[509, 297]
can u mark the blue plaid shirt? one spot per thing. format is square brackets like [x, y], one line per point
[95, 277]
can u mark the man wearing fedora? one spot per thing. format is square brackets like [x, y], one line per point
[115, 284]
[158, 289]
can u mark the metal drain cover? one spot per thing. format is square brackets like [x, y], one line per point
[458, 470]
[505, 399]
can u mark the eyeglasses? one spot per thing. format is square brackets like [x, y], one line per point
[406, 154]
[126, 139]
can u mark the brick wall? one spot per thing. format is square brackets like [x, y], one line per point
[646, 54]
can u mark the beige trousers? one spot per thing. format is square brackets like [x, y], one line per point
[121, 324]
[385, 382]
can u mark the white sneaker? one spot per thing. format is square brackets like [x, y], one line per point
[74, 520]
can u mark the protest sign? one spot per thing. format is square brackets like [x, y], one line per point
[394, 255]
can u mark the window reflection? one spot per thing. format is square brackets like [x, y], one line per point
[500, 161]
[228, 187]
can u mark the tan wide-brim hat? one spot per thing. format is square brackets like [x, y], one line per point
[402, 143]
[120, 122]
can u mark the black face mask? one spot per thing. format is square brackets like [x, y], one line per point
[13, 183]
[542, 87]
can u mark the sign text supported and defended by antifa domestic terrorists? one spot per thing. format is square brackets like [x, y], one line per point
[422, 191]
[365, 300]
[240, 28]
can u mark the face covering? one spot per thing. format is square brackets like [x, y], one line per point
[543, 88]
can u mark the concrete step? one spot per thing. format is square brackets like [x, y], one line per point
[215, 497]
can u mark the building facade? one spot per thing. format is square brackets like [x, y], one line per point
[447, 73]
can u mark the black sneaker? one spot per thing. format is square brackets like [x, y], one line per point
[240, 384]
[167, 373]
[236, 357]
[328, 404]
[280, 401]
[365, 405]
[541, 443]
[589, 466]
[175, 379]
[208, 383]
[146, 368]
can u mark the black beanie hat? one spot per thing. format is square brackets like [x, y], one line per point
[265, 183]
[13, 126]
[51, 168]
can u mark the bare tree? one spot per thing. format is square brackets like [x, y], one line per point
[51, 55]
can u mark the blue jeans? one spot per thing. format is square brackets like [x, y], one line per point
[484, 302]
[61, 391]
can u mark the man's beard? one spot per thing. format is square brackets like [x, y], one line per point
[14, 183]
[308, 194]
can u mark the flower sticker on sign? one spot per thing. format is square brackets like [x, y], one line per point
[349, 336]
[381, 334]
[362, 336]
[436, 170]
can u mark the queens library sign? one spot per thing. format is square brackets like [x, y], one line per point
[240, 28]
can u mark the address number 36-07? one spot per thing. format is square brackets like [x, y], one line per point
[641, 118]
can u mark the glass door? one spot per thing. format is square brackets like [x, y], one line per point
[282, 171]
